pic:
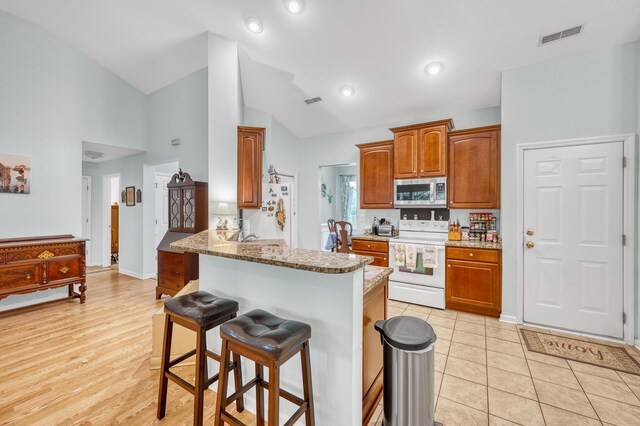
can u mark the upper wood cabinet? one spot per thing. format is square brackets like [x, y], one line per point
[188, 204]
[474, 168]
[250, 140]
[376, 175]
[420, 150]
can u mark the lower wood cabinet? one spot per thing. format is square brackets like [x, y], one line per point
[175, 268]
[379, 250]
[40, 263]
[474, 280]
[374, 309]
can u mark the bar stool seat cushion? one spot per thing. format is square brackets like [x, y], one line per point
[266, 332]
[201, 307]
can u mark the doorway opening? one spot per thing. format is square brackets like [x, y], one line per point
[338, 199]
[111, 220]
[86, 218]
[162, 176]
[576, 235]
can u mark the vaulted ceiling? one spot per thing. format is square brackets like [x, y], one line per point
[379, 47]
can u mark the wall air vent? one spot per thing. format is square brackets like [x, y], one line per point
[560, 35]
[313, 100]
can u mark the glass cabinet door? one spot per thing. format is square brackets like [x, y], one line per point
[174, 208]
[188, 209]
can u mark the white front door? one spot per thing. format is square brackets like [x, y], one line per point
[86, 216]
[162, 206]
[573, 242]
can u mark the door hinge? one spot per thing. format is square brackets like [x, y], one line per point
[624, 240]
[624, 317]
[624, 162]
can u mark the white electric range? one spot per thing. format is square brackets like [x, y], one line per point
[422, 286]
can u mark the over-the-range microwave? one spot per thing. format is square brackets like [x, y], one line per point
[429, 192]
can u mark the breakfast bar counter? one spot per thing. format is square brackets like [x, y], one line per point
[324, 290]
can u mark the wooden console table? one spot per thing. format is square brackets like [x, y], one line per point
[40, 263]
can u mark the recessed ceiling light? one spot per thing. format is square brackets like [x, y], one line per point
[347, 91]
[294, 6]
[434, 68]
[254, 25]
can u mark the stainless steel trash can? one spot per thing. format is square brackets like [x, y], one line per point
[408, 371]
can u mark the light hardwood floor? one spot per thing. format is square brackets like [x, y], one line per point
[66, 363]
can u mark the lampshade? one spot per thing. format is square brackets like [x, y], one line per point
[223, 209]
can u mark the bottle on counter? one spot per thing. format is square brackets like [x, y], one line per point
[374, 226]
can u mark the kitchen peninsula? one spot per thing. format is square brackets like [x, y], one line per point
[331, 292]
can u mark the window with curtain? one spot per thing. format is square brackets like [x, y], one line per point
[349, 199]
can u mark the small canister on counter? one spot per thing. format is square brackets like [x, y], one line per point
[465, 233]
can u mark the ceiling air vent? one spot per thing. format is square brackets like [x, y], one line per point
[312, 100]
[94, 155]
[560, 35]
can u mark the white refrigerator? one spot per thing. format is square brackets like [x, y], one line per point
[274, 220]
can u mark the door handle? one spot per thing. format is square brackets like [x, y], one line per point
[529, 232]
[530, 244]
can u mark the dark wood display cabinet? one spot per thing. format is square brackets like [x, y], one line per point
[188, 214]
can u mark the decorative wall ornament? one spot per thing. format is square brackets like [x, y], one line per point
[139, 196]
[326, 192]
[131, 195]
[15, 174]
[273, 174]
[123, 197]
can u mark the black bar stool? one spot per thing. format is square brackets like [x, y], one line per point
[200, 312]
[268, 341]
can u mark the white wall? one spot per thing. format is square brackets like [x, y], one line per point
[591, 94]
[53, 97]
[340, 148]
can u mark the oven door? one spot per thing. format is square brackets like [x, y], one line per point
[430, 277]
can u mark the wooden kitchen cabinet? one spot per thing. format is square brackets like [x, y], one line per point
[474, 280]
[376, 175]
[379, 250]
[420, 150]
[474, 168]
[374, 308]
[250, 141]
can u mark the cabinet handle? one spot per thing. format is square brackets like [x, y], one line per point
[27, 277]
[368, 245]
[384, 258]
[448, 266]
[471, 254]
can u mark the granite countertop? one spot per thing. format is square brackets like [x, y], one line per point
[474, 244]
[270, 252]
[373, 276]
[371, 237]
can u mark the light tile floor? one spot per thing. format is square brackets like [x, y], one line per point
[485, 375]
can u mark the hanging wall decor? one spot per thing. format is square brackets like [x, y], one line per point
[326, 192]
[123, 197]
[131, 195]
[15, 174]
[139, 196]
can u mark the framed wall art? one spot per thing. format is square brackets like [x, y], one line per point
[131, 195]
[15, 174]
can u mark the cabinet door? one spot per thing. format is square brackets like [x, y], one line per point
[405, 154]
[250, 167]
[175, 219]
[473, 287]
[188, 209]
[376, 176]
[474, 170]
[432, 151]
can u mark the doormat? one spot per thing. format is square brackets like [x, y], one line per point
[606, 356]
